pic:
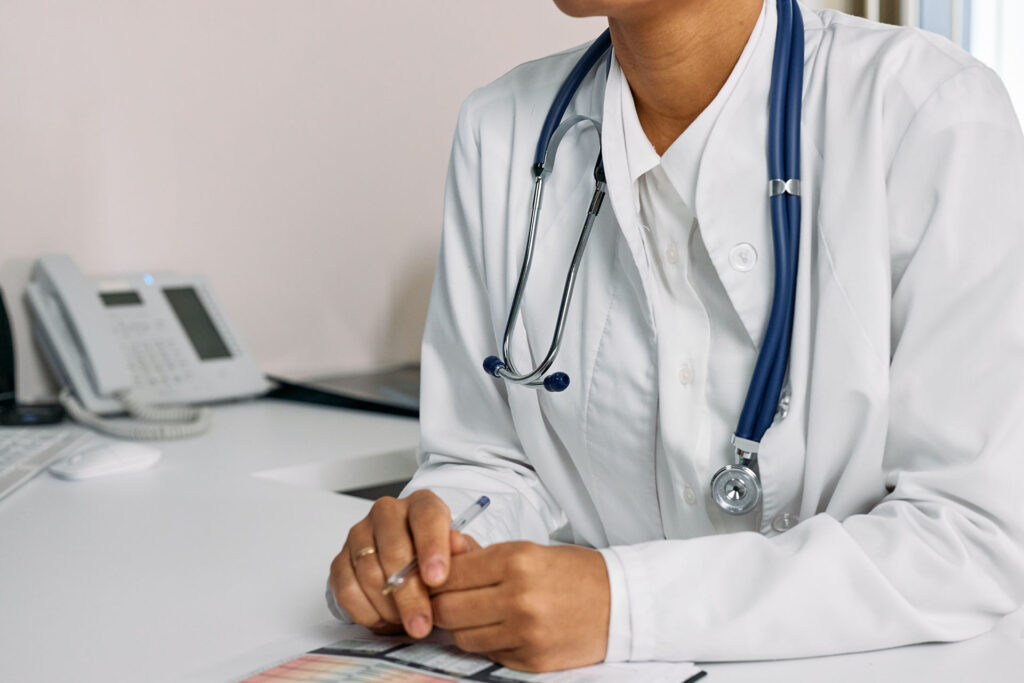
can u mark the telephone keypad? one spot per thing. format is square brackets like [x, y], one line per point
[156, 361]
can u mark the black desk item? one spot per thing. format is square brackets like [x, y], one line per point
[10, 412]
[392, 392]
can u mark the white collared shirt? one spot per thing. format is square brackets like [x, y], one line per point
[705, 356]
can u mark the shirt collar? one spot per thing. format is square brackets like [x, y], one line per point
[681, 160]
[730, 201]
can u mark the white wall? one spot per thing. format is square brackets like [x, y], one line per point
[292, 150]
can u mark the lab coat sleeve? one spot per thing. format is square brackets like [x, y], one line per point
[468, 443]
[941, 557]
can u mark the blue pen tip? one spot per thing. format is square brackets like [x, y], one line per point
[484, 501]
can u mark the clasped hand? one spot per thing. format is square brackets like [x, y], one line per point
[526, 606]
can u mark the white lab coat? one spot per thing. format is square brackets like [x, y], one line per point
[902, 454]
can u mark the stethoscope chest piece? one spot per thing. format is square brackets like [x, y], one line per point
[736, 489]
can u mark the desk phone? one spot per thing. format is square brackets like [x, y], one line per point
[123, 342]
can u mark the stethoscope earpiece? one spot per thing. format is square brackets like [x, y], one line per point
[555, 382]
[493, 365]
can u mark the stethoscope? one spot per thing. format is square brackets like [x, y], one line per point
[735, 488]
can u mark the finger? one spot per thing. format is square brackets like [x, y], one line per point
[495, 638]
[395, 548]
[468, 609]
[517, 658]
[349, 593]
[386, 629]
[390, 532]
[485, 567]
[462, 543]
[369, 573]
[458, 543]
[413, 604]
[430, 522]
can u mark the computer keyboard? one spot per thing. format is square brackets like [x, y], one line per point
[27, 451]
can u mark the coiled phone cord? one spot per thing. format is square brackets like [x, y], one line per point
[153, 423]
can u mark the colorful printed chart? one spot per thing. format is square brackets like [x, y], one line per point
[334, 669]
[364, 658]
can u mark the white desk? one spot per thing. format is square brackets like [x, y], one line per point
[199, 570]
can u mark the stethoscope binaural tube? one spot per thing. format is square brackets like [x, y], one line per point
[557, 381]
[543, 163]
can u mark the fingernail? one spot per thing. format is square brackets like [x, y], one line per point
[434, 571]
[419, 627]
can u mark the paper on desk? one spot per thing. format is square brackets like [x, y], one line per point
[362, 657]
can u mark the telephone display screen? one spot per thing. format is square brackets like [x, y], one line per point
[197, 323]
[125, 298]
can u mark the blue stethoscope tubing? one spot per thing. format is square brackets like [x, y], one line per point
[784, 111]
[735, 488]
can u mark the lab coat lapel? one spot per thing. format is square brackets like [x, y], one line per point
[620, 186]
[732, 191]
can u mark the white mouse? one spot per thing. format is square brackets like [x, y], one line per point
[102, 458]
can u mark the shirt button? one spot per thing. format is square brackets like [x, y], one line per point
[784, 522]
[672, 253]
[686, 374]
[690, 496]
[742, 257]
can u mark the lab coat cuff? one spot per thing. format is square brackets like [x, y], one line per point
[334, 608]
[643, 603]
[619, 628]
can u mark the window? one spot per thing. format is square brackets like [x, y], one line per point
[982, 27]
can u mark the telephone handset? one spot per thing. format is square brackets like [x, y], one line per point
[135, 344]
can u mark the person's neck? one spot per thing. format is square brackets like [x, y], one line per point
[677, 59]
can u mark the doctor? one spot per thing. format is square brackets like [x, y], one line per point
[893, 468]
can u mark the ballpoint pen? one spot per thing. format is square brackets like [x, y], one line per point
[458, 524]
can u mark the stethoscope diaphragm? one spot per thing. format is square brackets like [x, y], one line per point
[736, 489]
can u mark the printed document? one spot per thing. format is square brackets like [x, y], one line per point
[361, 656]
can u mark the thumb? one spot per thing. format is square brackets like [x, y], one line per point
[463, 543]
